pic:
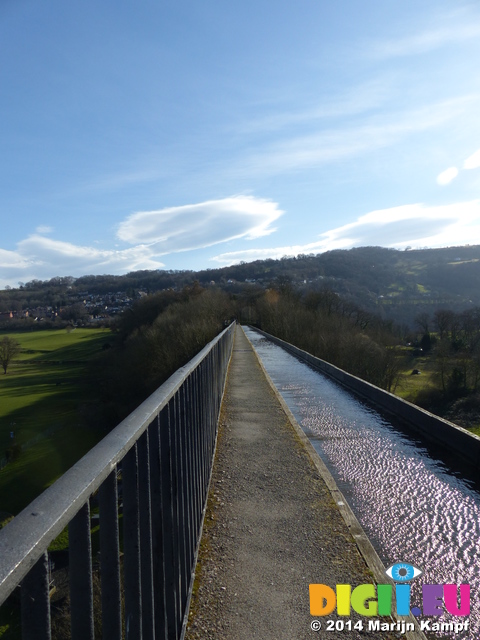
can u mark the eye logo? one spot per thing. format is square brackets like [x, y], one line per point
[403, 572]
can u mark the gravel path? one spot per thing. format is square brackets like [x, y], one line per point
[272, 526]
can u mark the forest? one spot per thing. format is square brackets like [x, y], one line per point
[396, 285]
[163, 331]
[407, 321]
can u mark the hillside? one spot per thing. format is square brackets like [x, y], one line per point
[396, 284]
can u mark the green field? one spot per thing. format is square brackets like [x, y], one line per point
[410, 385]
[46, 388]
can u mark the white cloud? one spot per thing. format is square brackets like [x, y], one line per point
[201, 225]
[331, 145]
[473, 161]
[44, 229]
[12, 260]
[353, 101]
[208, 223]
[447, 176]
[152, 234]
[424, 41]
[41, 258]
[414, 225]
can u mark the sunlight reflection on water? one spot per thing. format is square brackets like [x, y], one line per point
[412, 507]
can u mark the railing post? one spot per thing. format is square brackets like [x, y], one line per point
[36, 602]
[171, 558]
[179, 484]
[145, 537]
[196, 450]
[110, 559]
[131, 547]
[188, 532]
[80, 563]
[157, 517]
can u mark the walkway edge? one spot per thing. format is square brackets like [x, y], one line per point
[186, 616]
[362, 541]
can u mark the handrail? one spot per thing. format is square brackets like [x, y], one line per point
[165, 449]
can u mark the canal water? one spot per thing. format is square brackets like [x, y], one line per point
[413, 507]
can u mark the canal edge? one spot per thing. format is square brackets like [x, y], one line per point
[365, 547]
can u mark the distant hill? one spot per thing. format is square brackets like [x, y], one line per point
[395, 284]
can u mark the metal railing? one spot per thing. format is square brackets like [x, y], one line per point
[153, 472]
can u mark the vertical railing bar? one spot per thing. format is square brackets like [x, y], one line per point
[206, 394]
[189, 495]
[159, 518]
[36, 602]
[131, 547]
[146, 569]
[110, 559]
[207, 408]
[195, 465]
[182, 516]
[80, 569]
[219, 379]
[215, 381]
[171, 535]
[196, 450]
[159, 588]
[180, 511]
[202, 425]
[211, 400]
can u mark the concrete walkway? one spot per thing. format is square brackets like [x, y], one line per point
[272, 526]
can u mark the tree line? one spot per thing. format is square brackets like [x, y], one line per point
[450, 342]
[154, 338]
[331, 328]
[162, 331]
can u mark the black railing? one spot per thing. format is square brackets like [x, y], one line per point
[153, 470]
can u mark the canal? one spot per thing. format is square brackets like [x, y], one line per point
[414, 506]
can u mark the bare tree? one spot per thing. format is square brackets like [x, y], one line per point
[422, 320]
[9, 348]
[443, 320]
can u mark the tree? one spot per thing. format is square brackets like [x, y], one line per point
[422, 320]
[443, 320]
[9, 348]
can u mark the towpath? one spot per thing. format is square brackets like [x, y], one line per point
[272, 525]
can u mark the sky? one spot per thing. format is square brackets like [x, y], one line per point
[193, 135]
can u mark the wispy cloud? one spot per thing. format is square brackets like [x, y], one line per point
[473, 161]
[331, 145]
[356, 100]
[415, 225]
[45, 257]
[152, 233]
[201, 225]
[42, 258]
[424, 41]
[447, 176]
[11, 260]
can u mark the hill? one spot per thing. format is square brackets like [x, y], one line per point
[396, 284]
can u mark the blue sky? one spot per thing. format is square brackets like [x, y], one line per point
[188, 135]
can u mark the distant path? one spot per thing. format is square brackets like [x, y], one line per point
[272, 526]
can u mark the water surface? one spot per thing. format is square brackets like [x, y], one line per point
[413, 507]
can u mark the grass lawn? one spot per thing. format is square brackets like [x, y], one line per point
[45, 387]
[410, 385]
